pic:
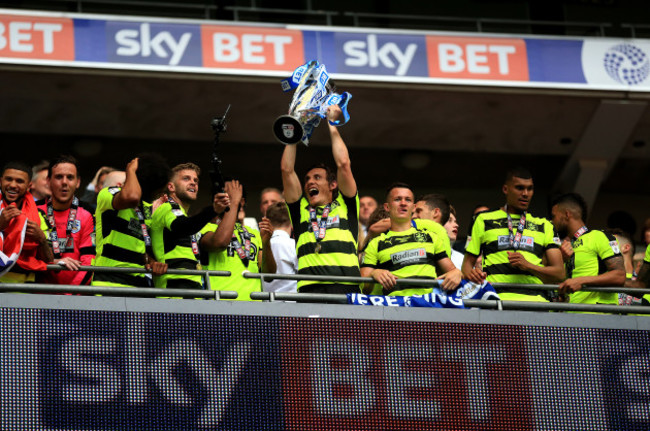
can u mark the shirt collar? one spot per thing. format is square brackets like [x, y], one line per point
[279, 232]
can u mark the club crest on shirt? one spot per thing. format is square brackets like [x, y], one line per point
[397, 240]
[421, 237]
[77, 226]
[333, 205]
[534, 227]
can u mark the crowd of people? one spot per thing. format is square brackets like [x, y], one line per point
[316, 226]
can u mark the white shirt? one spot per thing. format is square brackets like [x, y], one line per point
[284, 252]
[457, 258]
[364, 228]
[251, 223]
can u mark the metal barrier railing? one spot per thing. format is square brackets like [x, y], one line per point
[469, 303]
[238, 10]
[479, 24]
[204, 273]
[211, 10]
[146, 292]
[436, 283]
[634, 27]
[209, 293]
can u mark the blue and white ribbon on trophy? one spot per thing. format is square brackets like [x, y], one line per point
[314, 93]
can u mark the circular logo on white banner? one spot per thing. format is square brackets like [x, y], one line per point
[617, 63]
[627, 64]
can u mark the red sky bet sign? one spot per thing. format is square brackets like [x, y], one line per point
[66, 369]
[393, 376]
[36, 37]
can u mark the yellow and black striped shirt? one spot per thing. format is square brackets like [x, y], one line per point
[338, 249]
[173, 249]
[119, 241]
[491, 238]
[590, 251]
[412, 253]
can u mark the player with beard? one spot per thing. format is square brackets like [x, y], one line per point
[17, 212]
[175, 236]
[592, 257]
[70, 228]
[325, 216]
[514, 244]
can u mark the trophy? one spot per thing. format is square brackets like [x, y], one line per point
[314, 92]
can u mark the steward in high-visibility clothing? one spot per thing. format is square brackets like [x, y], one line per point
[325, 216]
[592, 257]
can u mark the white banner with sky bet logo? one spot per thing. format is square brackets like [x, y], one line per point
[275, 50]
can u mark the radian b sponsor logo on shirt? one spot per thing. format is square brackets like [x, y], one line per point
[408, 256]
[527, 243]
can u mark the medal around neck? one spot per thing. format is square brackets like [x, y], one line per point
[314, 92]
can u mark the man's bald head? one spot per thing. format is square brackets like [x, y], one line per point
[115, 179]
